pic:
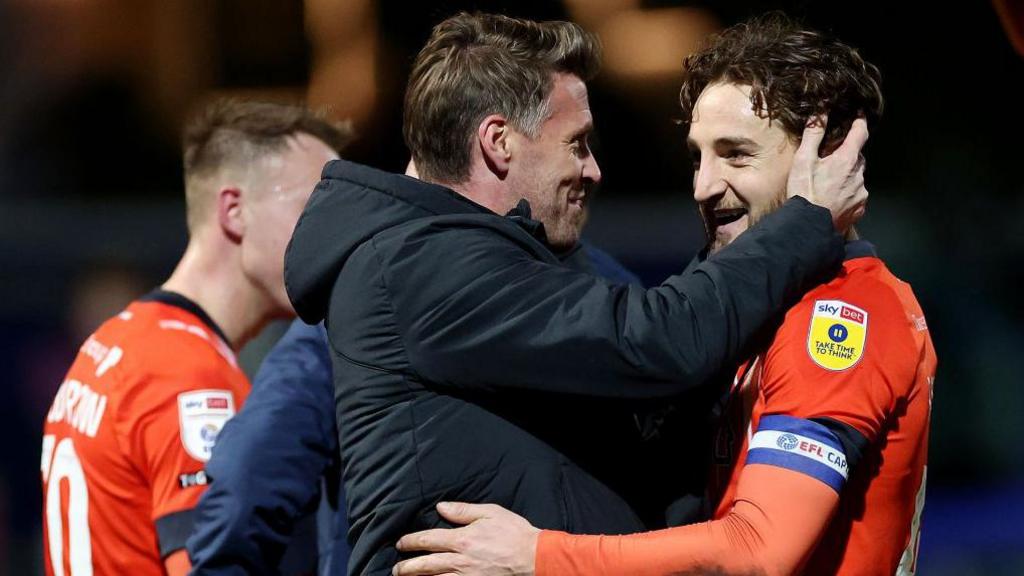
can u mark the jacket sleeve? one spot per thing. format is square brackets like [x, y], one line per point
[263, 480]
[485, 314]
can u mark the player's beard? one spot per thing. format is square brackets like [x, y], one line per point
[770, 206]
[754, 215]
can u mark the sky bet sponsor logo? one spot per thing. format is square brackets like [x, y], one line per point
[195, 405]
[827, 308]
[217, 403]
[837, 334]
[851, 314]
[202, 414]
[837, 308]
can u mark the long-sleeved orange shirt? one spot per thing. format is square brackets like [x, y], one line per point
[820, 458]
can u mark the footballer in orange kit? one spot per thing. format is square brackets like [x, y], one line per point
[127, 436]
[820, 457]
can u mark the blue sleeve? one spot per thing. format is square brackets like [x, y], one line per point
[266, 468]
[606, 266]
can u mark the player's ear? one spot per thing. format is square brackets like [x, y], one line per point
[229, 213]
[494, 137]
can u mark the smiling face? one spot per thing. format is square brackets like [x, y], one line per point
[741, 162]
[555, 171]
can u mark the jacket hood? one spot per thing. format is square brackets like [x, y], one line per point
[350, 205]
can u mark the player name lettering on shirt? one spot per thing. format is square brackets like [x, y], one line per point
[79, 406]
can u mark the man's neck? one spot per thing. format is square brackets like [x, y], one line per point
[211, 276]
[487, 193]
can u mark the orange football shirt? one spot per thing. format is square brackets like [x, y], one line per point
[127, 436]
[840, 399]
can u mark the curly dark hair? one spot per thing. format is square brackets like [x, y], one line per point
[793, 72]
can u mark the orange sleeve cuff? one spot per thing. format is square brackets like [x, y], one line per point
[647, 554]
[765, 532]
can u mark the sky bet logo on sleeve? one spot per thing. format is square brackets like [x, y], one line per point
[838, 332]
[201, 415]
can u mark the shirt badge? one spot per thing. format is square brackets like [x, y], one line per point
[202, 414]
[837, 335]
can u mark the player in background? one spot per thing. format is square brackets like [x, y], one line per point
[821, 452]
[133, 423]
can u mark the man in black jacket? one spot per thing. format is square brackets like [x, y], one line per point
[454, 326]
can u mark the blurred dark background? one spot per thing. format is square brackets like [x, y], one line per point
[93, 94]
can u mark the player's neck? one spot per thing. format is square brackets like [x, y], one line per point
[211, 276]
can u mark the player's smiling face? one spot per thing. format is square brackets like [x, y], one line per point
[741, 162]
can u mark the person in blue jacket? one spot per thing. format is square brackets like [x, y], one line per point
[275, 504]
[276, 461]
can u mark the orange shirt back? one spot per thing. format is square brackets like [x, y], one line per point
[127, 436]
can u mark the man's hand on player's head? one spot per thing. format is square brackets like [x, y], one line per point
[835, 182]
[493, 541]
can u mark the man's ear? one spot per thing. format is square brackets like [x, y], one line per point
[494, 137]
[229, 213]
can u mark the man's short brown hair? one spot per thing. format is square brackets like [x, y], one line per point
[475, 65]
[231, 133]
[794, 73]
